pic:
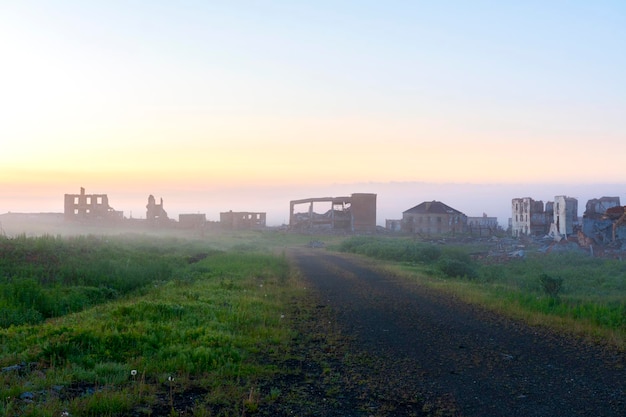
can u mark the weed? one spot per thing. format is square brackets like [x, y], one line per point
[551, 285]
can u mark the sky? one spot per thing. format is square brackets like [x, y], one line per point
[246, 105]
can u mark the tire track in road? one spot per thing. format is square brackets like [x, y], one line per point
[457, 357]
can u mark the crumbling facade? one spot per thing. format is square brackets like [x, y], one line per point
[356, 213]
[155, 212]
[433, 218]
[89, 207]
[565, 217]
[604, 220]
[242, 220]
[559, 218]
[529, 218]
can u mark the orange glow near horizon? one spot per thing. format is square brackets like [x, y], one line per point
[152, 103]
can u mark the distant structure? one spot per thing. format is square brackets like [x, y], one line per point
[155, 212]
[433, 218]
[191, 221]
[393, 225]
[529, 217]
[356, 213]
[565, 217]
[482, 226]
[231, 220]
[604, 220]
[559, 219]
[89, 207]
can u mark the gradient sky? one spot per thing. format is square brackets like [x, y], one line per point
[191, 100]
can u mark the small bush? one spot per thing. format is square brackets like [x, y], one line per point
[551, 285]
[456, 268]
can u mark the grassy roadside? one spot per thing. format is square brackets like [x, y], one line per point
[568, 292]
[193, 341]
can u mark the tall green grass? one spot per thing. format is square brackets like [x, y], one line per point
[195, 320]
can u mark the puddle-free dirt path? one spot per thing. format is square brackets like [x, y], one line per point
[414, 351]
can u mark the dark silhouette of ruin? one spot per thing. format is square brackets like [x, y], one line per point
[242, 220]
[356, 213]
[155, 212]
[89, 207]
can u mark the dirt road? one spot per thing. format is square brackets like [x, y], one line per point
[400, 349]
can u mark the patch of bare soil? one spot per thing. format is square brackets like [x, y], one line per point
[371, 345]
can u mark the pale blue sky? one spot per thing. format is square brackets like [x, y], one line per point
[155, 92]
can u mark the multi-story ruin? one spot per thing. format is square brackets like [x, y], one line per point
[528, 217]
[433, 218]
[559, 218]
[89, 207]
[565, 216]
[356, 213]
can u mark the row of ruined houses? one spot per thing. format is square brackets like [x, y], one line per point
[603, 222]
[91, 208]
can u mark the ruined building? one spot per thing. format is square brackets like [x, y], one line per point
[528, 217]
[155, 212]
[242, 220]
[356, 213]
[433, 218]
[604, 220]
[559, 218]
[565, 216]
[89, 207]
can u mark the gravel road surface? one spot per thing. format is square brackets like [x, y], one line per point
[377, 345]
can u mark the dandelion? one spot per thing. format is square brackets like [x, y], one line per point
[133, 372]
[282, 316]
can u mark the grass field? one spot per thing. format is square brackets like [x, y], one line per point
[106, 326]
[161, 325]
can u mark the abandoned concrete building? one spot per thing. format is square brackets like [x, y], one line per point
[528, 217]
[356, 213]
[565, 216]
[242, 220]
[89, 207]
[433, 218]
[155, 212]
[604, 220]
[559, 218]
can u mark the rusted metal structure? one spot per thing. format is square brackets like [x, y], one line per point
[356, 213]
[242, 220]
[433, 218]
[89, 207]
